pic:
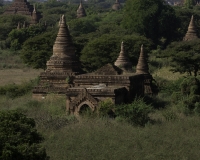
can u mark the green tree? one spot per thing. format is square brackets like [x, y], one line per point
[136, 113]
[82, 26]
[189, 3]
[185, 56]
[9, 22]
[151, 18]
[19, 138]
[18, 36]
[37, 50]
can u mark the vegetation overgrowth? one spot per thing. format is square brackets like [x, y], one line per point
[165, 126]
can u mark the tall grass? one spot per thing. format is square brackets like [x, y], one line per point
[106, 138]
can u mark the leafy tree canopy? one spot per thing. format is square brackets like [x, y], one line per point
[19, 138]
[18, 36]
[82, 25]
[185, 56]
[151, 18]
[9, 22]
[37, 50]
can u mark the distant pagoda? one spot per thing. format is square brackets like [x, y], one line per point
[192, 31]
[19, 7]
[81, 11]
[34, 17]
[116, 6]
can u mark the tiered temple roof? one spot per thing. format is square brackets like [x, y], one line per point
[192, 31]
[142, 66]
[81, 11]
[116, 5]
[20, 7]
[62, 66]
[63, 58]
[122, 61]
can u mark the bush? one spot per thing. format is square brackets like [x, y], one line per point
[106, 108]
[190, 85]
[14, 90]
[19, 138]
[135, 113]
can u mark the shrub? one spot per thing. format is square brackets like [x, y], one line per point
[106, 108]
[190, 85]
[14, 90]
[135, 113]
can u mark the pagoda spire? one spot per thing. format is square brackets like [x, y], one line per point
[81, 11]
[60, 21]
[34, 17]
[24, 25]
[122, 60]
[63, 58]
[34, 11]
[192, 31]
[142, 66]
[18, 26]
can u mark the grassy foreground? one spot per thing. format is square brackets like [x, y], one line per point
[104, 138]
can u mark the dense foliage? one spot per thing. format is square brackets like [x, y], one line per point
[37, 50]
[185, 56]
[151, 18]
[19, 138]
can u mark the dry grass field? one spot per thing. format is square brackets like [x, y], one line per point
[17, 76]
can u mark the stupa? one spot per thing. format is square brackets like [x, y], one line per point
[192, 32]
[142, 66]
[116, 6]
[122, 61]
[62, 66]
[81, 11]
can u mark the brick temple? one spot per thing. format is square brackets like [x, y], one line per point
[24, 8]
[117, 81]
[20, 7]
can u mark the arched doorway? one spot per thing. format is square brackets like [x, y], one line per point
[86, 108]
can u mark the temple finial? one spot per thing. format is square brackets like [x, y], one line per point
[142, 66]
[24, 25]
[18, 26]
[122, 47]
[34, 8]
